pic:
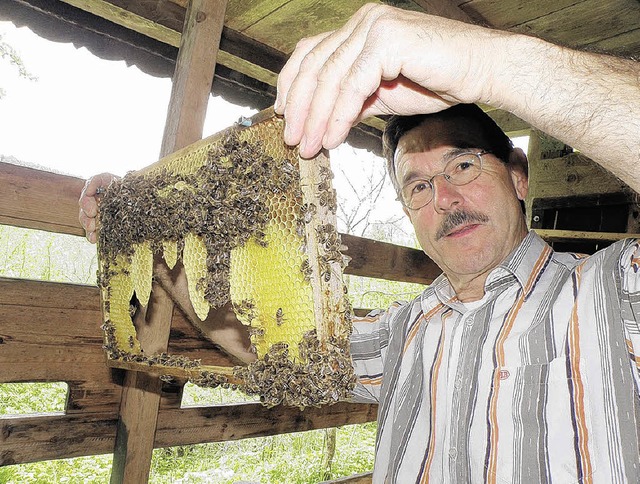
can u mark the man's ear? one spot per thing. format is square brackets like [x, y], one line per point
[519, 171]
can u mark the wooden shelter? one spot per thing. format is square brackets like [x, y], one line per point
[50, 331]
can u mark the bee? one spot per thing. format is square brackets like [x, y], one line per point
[307, 211]
[167, 378]
[306, 270]
[279, 317]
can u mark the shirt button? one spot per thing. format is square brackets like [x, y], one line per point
[453, 453]
[458, 384]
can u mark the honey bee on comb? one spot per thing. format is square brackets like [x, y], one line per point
[248, 225]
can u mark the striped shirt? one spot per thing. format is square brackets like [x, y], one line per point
[539, 382]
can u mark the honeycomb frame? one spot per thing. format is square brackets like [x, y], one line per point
[300, 329]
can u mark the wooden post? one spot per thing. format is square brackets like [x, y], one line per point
[185, 120]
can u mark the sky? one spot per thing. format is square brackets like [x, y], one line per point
[84, 115]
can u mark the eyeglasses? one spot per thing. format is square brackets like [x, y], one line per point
[462, 169]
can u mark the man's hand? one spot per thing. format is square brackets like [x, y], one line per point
[382, 61]
[89, 204]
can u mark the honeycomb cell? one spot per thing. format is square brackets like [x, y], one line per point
[142, 271]
[194, 258]
[170, 253]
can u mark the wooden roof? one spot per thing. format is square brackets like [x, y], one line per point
[260, 34]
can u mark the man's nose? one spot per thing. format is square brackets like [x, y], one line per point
[446, 196]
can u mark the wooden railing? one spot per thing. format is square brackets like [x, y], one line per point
[51, 332]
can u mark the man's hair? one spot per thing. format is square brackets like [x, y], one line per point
[492, 138]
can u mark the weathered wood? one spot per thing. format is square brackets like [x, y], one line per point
[571, 175]
[26, 194]
[371, 258]
[232, 422]
[194, 74]
[551, 235]
[444, 8]
[242, 14]
[296, 19]
[36, 438]
[587, 22]
[502, 15]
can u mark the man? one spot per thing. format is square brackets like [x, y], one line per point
[518, 364]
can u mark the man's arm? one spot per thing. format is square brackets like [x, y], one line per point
[386, 60]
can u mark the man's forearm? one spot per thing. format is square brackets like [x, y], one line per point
[589, 101]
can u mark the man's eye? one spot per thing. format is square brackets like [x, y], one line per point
[464, 165]
[420, 187]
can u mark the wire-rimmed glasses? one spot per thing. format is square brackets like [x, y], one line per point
[460, 170]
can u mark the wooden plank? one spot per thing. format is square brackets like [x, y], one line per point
[571, 175]
[444, 8]
[586, 22]
[31, 439]
[233, 422]
[194, 74]
[626, 44]
[26, 194]
[371, 258]
[165, 23]
[515, 12]
[242, 14]
[301, 18]
[47, 437]
[551, 235]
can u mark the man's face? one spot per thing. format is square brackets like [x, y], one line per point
[467, 230]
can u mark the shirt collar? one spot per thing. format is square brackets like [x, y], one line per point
[519, 264]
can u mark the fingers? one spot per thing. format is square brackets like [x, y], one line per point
[299, 78]
[89, 204]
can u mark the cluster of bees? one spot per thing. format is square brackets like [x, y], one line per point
[223, 203]
[322, 375]
[227, 201]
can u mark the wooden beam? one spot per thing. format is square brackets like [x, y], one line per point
[551, 235]
[194, 74]
[45, 437]
[444, 8]
[26, 195]
[185, 120]
[382, 260]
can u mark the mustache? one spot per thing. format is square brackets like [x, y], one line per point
[457, 218]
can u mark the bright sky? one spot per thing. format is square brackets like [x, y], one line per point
[85, 115]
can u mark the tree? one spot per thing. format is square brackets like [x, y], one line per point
[10, 55]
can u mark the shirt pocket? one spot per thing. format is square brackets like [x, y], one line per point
[544, 417]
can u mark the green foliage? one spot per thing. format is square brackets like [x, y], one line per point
[28, 398]
[34, 254]
[10, 55]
